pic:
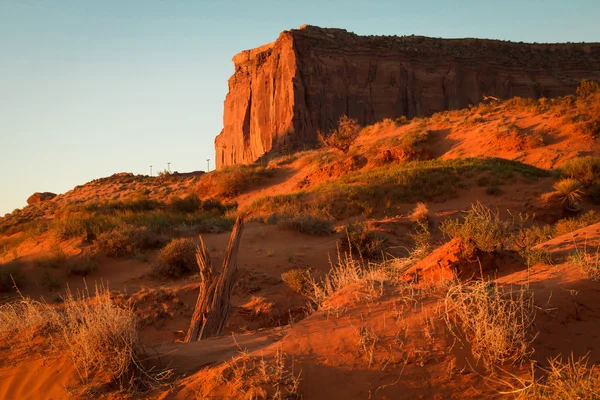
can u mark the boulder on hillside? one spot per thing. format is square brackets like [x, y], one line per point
[38, 197]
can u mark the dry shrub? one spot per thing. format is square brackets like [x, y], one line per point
[188, 204]
[123, 241]
[307, 224]
[568, 225]
[232, 181]
[177, 258]
[571, 380]
[370, 279]
[588, 262]
[420, 213]
[495, 321]
[584, 169]
[100, 336]
[297, 279]
[258, 378]
[23, 319]
[342, 137]
[570, 190]
[362, 239]
[482, 228]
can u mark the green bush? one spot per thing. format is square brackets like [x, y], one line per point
[569, 225]
[177, 258]
[584, 169]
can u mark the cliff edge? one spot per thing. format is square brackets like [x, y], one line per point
[284, 92]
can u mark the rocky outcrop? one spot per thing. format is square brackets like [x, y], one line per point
[283, 93]
[39, 197]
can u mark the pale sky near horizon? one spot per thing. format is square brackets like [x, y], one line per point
[90, 88]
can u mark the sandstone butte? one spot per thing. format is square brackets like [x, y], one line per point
[281, 94]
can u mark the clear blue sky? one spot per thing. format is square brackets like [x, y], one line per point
[90, 88]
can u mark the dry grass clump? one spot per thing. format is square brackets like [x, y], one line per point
[568, 225]
[570, 190]
[99, 336]
[570, 380]
[258, 378]
[124, 241]
[362, 239]
[297, 279]
[307, 224]
[482, 228]
[420, 213]
[588, 262]
[177, 258]
[232, 181]
[496, 322]
[342, 137]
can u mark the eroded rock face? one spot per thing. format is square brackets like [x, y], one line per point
[283, 93]
[39, 197]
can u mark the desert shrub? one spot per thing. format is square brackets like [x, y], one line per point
[342, 137]
[177, 258]
[123, 241]
[493, 190]
[496, 322]
[214, 205]
[482, 228]
[8, 273]
[297, 279]
[420, 213]
[362, 239]
[414, 136]
[87, 226]
[307, 224]
[55, 259]
[233, 180]
[421, 236]
[587, 89]
[584, 169]
[568, 225]
[570, 190]
[101, 337]
[588, 262]
[188, 204]
[591, 127]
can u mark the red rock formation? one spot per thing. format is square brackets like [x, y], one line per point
[38, 197]
[282, 93]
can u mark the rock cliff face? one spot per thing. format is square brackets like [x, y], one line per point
[283, 93]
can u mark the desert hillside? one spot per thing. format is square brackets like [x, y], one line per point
[450, 256]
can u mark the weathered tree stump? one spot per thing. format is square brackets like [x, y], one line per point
[212, 306]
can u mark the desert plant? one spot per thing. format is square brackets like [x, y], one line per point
[177, 258]
[587, 88]
[482, 228]
[570, 192]
[588, 262]
[568, 225]
[584, 169]
[123, 241]
[307, 224]
[420, 213]
[342, 137]
[231, 181]
[497, 322]
[297, 279]
[188, 204]
[362, 239]
[421, 235]
[100, 336]
[570, 380]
